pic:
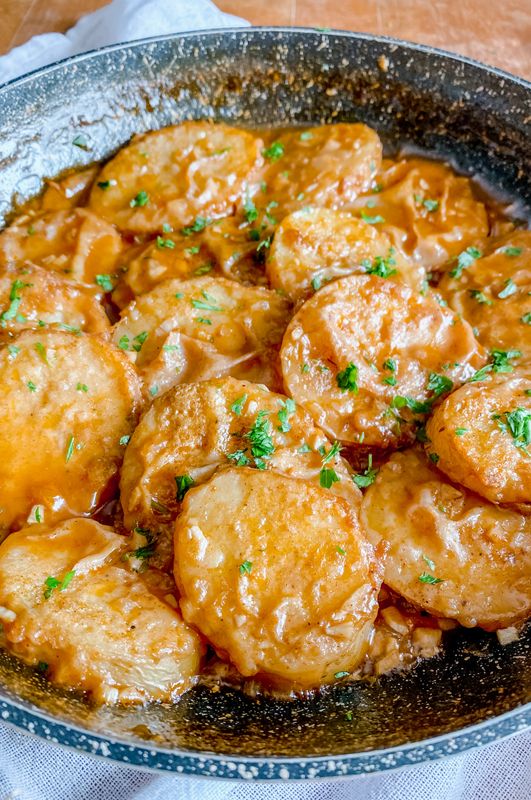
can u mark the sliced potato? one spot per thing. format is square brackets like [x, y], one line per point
[32, 297]
[450, 552]
[69, 603]
[178, 176]
[315, 246]
[367, 357]
[481, 435]
[327, 166]
[429, 213]
[76, 243]
[278, 576]
[67, 401]
[204, 328]
[493, 291]
[197, 428]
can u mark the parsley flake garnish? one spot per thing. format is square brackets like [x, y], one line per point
[305, 136]
[198, 225]
[124, 440]
[382, 266]
[246, 568]
[69, 449]
[327, 477]
[509, 288]
[480, 297]
[105, 282]
[80, 141]
[376, 220]
[52, 583]
[512, 252]
[499, 363]
[82, 387]
[439, 384]
[347, 378]
[425, 577]
[208, 304]
[465, 260]
[526, 318]
[183, 483]
[163, 243]
[14, 300]
[341, 674]
[140, 200]
[518, 424]
[367, 477]
[288, 408]
[237, 406]
[274, 151]
[251, 212]
[461, 431]
[434, 458]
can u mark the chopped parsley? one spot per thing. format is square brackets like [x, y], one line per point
[246, 568]
[199, 224]
[341, 551]
[104, 185]
[500, 362]
[518, 424]
[183, 483]
[288, 408]
[480, 297]
[429, 562]
[389, 364]
[14, 301]
[382, 266]
[31, 386]
[347, 378]
[416, 406]
[465, 260]
[80, 141]
[82, 387]
[327, 477]
[341, 674]
[434, 458]
[13, 350]
[426, 577]
[512, 252]
[237, 406]
[208, 304]
[259, 436]
[251, 212]
[203, 320]
[69, 449]
[509, 288]
[203, 269]
[371, 220]
[153, 390]
[163, 243]
[274, 151]
[41, 350]
[52, 583]
[159, 507]
[239, 458]
[140, 200]
[439, 384]
[105, 282]
[461, 431]
[305, 136]
[317, 281]
[192, 251]
[124, 440]
[526, 319]
[367, 477]
[332, 453]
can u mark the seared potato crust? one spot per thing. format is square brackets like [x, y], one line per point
[327, 166]
[493, 291]
[76, 243]
[480, 436]
[450, 552]
[66, 403]
[176, 175]
[315, 246]
[429, 213]
[32, 297]
[68, 601]
[278, 576]
[197, 428]
[367, 357]
[204, 328]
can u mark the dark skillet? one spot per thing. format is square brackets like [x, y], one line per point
[416, 97]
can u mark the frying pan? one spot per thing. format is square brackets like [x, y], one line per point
[418, 99]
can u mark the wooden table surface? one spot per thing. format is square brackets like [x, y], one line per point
[495, 32]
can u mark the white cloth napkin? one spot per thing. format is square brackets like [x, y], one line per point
[31, 769]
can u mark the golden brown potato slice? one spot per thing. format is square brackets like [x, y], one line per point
[493, 291]
[32, 297]
[429, 213]
[67, 408]
[76, 243]
[178, 176]
[204, 328]
[327, 166]
[450, 552]
[197, 428]
[278, 576]
[481, 436]
[367, 358]
[69, 603]
[315, 246]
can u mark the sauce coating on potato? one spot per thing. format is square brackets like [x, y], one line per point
[32, 297]
[327, 166]
[481, 435]
[429, 213]
[179, 176]
[197, 428]
[203, 328]
[491, 289]
[450, 552]
[313, 247]
[76, 243]
[69, 603]
[368, 357]
[67, 406]
[277, 574]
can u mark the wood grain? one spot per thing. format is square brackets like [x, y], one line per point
[490, 31]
